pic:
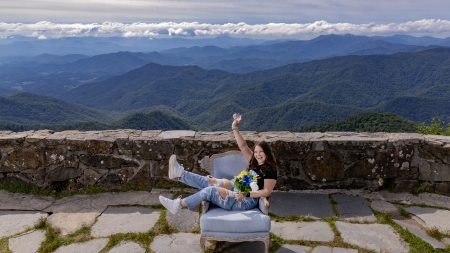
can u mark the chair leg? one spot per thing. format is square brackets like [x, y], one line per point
[202, 244]
[267, 244]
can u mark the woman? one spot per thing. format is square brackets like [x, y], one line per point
[220, 191]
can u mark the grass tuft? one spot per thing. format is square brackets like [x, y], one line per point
[435, 233]
[4, 247]
[276, 218]
[333, 204]
[54, 240]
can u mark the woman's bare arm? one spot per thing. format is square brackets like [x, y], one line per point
[269, 184]
[245, 150]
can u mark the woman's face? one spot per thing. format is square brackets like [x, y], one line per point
[259, 155]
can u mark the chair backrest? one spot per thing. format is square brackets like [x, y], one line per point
[227, 165]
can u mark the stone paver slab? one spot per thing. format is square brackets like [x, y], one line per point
[291, 248]
[125, 220]
[308, 231]
[179, 242]
[184, 221]
[430, 199]
[414, 228]
[353, 208]
[242, 247]
[446, 240]
[19, 201]
[431, 217]
[99, 202]
[29, 242]
[384, 207]
[68, 223]
[322, 249]
[326, 249]
[14, 222]
[344, 250]
[300, 204]
[92, 246]
[378, 237]
[129, 247]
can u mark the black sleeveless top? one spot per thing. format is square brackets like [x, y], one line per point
[264, 171]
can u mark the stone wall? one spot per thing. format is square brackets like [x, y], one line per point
[113, 158]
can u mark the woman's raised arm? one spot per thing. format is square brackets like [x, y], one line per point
[245, 150]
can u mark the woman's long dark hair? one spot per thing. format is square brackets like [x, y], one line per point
[270, 158]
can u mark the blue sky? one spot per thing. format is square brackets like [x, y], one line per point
[282, 18]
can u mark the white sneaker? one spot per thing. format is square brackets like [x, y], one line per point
[172, 205]
[175, 169]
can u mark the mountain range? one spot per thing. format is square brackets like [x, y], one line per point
[48, 74]
[331, 78]
[413, 85]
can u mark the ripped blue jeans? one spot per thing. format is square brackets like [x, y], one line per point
[211, 194]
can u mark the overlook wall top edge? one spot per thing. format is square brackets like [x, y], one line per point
[271, 136]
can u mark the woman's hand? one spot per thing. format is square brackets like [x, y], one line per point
[236, 120]
[239, 196]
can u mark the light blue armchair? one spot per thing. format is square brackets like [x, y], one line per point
[218, 224]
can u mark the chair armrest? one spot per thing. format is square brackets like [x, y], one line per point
[264, 205]
[204, 206]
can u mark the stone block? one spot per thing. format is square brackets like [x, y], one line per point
[179, 242]
[431, 217]
[353, 208]
[384, 207]
[130, 247]
[305, 231]
[377, 237]
[14, 222]
[29, 242]
[92, 246]
[324, 166]
[442, 188]
[300, 204]
[125, 220]
[291, 248]
[22, 158]
[24, 202]
[61, 173]
[184, 221]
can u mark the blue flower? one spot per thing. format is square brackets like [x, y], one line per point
[247, 180]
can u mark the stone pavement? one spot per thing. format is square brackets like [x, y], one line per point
[322, 221]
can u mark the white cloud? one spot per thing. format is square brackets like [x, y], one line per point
[44, 29]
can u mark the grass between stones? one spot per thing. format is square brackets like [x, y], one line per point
[404, 213]
[4, 247]
[416, 244]
[276, 218]
[54, 240]
[333, 204]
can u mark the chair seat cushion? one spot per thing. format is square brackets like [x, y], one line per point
[220, 220]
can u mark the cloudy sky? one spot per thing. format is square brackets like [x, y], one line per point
[282, 18]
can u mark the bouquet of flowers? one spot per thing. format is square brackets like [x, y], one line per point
[246, 181]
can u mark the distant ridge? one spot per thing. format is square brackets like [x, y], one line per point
[367, 122]
[305, 93]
